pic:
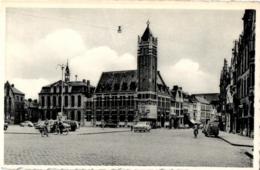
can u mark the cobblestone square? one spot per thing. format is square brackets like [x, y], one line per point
[160, 147]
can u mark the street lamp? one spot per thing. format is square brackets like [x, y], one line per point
[62, 68]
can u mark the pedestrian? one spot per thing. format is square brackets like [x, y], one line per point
[196, 130]
[60, 126]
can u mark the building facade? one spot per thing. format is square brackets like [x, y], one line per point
[237, 89]
[31, 108]
[13, 104]
[122, 97]
[72, 95]
[177, 106]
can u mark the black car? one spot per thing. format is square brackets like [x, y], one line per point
[73, 124]
[5, 125]
[111, 124]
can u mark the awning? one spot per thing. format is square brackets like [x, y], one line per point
[192, 121]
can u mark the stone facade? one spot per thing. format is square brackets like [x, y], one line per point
[13, 104]
[237, 87]
[122, 97]
[75, 96]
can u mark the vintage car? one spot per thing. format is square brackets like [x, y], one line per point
[211, 128]
[27, 123]
[5, 125]
[142, 127]
[73, 124]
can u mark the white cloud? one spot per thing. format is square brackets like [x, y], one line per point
[30, 87]
[94, 61]
[187, 73]
[24, 66]
[40, 58]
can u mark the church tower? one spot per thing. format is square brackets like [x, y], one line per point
[147, 61]
[147, 75]
[67, 73]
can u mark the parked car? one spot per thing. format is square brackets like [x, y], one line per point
[111, 124]
[142, 127]
[27, 123]
[211, 128]
[5, 125]
[73, 124]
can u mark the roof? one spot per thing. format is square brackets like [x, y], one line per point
[77, 86]
[14, 90]
[117, 81]
[209, 96]
[201, 100]
[147, 34]
[125, 81]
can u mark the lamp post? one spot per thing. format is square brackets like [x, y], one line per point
[62, 84]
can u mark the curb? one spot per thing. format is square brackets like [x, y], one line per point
[22, 133]
[250, 155]
[93, 133]
[234, 144]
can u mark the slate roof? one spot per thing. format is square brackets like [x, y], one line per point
[147, 34]
[211, 97]
[118, 81]
[201, 100]
[77, 86]
[125, 81]
[14, 90]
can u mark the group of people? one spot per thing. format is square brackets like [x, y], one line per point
[58, 126]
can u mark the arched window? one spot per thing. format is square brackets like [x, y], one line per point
[79, 101]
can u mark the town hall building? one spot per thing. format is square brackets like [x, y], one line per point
[123, 97]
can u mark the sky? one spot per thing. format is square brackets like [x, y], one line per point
[192, 44]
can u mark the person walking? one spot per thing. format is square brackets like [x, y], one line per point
[196, 130]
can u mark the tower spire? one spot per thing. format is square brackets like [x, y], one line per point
[67, 72]
[148, 23]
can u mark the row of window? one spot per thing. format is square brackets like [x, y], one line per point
[72, 115]
[114, 101]
[56, 101]
[19, 98]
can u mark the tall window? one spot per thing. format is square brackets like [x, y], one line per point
[72, 101]
[59, 101]
[48, 101]
[66, 89]
[43, 101]
[54, 101]
[66, 101]
[79, 101]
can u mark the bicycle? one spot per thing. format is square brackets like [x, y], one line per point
[61, 130]
[44, 131]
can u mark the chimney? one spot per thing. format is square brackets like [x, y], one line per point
[12, 85]
[88, 82]
[84, 80]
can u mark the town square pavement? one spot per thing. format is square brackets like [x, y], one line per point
[97, 146]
